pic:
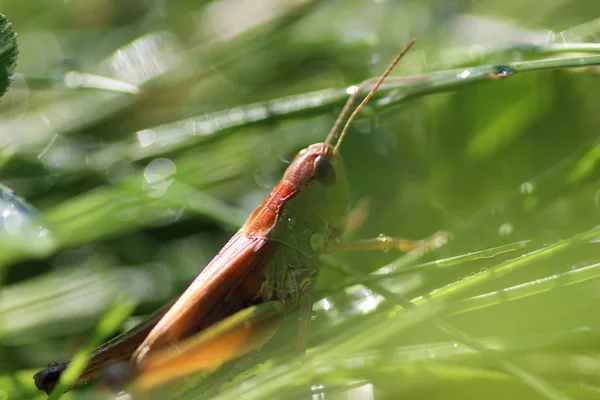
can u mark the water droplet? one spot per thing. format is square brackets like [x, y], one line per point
[236, 114]
[505, 229]
[527, 187]
[384, 239]
[290, 222]
[20, 226]
[146, 137]
[205, 128]
[157, 175]
[464, 74]
[502, 71]
[159, 169]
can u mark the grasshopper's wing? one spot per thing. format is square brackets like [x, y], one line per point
[235, 336]
[117, 349]
[227, 272]
[231, 282]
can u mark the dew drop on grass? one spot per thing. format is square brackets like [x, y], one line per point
[527, 188]
[503, 71]
[384, 239]
[505, 229]
[464, 74]
[158, 176]
[21, 229]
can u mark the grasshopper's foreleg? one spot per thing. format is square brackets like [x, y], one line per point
[386, 243]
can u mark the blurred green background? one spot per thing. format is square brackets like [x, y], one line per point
[135, 193]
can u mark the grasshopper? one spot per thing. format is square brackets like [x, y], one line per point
[270, 265]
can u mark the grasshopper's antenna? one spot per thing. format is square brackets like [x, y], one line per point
[352, 99]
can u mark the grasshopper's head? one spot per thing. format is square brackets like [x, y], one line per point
[314, 186]
[320, 172]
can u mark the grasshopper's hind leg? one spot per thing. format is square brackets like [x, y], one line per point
[174, 368]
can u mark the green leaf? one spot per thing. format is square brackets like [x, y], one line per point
[8, 53]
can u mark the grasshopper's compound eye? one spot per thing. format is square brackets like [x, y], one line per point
[324, 171]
